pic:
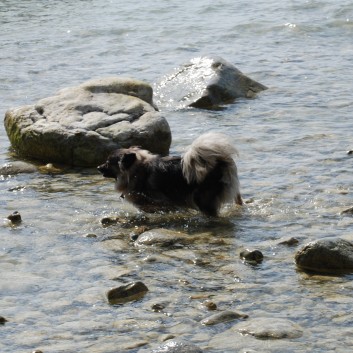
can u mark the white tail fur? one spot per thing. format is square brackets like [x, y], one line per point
[204, 154]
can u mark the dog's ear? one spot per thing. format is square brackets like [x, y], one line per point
[127, 160]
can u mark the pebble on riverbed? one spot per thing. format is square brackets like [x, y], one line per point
[224, 316]
[289, 242]
[348, 211]
[130, 292]
[252, 256]
[173, 346]
[2, 320]
[15, 217]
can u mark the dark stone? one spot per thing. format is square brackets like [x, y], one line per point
[348, 211]
[326, 255]
[15, 217]
[252, 256]
[127, 293]
[2, 320]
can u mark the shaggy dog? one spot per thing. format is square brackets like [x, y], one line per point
[204, 178]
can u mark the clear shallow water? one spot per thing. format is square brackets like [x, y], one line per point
[293, 168]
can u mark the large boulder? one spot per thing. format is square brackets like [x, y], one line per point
[206, 83]
[81, 125]
[326, 255]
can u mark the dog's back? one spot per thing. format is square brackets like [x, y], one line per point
[204, 178]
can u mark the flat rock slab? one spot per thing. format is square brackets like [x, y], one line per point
[326, 255]
[173, 346]
[223, 316]
[81, 125]
[207, 83]
[160, 237]
[17, 167]
[270, 328]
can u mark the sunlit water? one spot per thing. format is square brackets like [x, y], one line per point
[295, 176]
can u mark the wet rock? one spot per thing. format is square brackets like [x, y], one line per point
[223, 316]
[81, 125]
[90, 235]
[174, 346]
[166, 337]
[127, 293]
[289, 242]
[270, 328]
[207, 83]
[350, 152]
[326, 255]
[252, 256]
[348, 211]
[162, 238]
[158, 307]
[17, 167]
[37, 351]
[15, 217]
[209, 305]
[2, 320]
[106, 221]
[137, 231]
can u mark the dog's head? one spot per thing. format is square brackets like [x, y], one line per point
[122, 161]
[118, 162]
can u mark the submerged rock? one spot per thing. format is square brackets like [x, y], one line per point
[348, 211]
[127, 293]
[82, 125]
[162, 238]
[173, 346]
[270, 328]
[252, 256]
[17, 167]
[223, 316]
[207, 83]
[326, 255]
[2, 320]
[15, 217]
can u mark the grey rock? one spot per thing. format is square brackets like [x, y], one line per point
[127, 293]
[162, 238]
[17, 167]
[207, 83]
[270, 328]
[173, 346]
[82, 125]
[223, 316]
[326, 255]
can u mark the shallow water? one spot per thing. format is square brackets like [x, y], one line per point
[293, 167]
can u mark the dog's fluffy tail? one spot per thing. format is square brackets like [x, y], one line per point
[204, 154]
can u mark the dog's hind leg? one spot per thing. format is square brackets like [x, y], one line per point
[207, 202]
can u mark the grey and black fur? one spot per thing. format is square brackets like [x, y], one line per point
[204, 178]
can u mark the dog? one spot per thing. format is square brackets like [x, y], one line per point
[204, 178]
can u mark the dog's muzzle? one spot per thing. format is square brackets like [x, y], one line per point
[105, 171]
